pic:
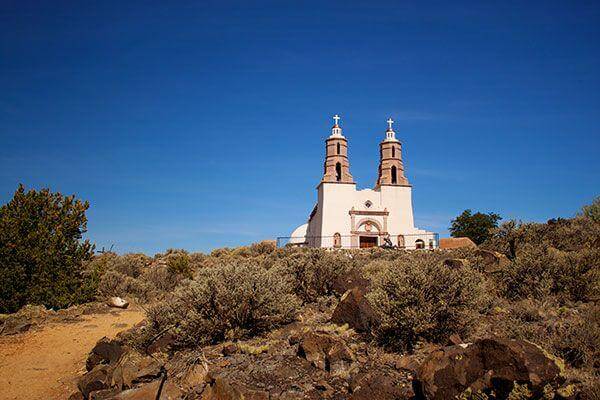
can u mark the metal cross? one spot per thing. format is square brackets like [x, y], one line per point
[390, 122]
[336, 118]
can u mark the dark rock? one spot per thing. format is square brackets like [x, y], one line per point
[133, 368]
[229, 349]
[485, 366]
[350, 280]
[161, 344]
[456, 263]
[76, 396]
[407, 363]
[222, 388]
[15, 326]
[104, 394]
[380, 386]
[97, 379]
[325, 352]
[492, 260]
[454, 339]
[106, 351]
[355, 310]
[149, 391]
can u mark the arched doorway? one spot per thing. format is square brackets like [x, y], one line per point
[419, 244]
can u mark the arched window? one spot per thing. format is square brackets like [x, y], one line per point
[337, 240]
[401, 241]
[338, 148]
[338, 172]
[393, 152]
[419, 244]
[394, 177]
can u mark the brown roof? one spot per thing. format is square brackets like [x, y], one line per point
[455, 243]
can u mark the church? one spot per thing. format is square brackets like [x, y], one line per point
[345, 217]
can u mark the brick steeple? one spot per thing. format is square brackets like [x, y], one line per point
[391, 169]
[337, 166]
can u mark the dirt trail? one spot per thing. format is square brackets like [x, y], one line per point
[45, 364]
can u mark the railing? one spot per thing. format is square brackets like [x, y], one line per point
[417, 241]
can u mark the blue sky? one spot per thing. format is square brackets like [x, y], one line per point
[138, 107]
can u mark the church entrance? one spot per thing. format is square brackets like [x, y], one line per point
[367, 241]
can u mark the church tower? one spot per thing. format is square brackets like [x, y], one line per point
[391, 169]
[337, 166]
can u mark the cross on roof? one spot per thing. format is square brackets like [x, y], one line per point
[336, 118]
[390, 122]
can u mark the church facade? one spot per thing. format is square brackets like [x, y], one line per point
[345, 217]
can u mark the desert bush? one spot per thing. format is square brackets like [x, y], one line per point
[539, 271]
[42, 251]
[571, 333]
[420, 300]
[225, 302]
[130, 264]
[313, 270]
[161, 278]
[180, 264]
[592, 211]
[114, 283]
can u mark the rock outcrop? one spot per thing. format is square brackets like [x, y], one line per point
[355, 310]
[497, 365]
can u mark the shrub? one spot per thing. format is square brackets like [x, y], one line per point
[421, 300]
[179, 264]
[225, 302]
[572, 334]
[41, 250]
[114, 283]
[592, 211]
[130, 264]
[538, 271]
[313, 270]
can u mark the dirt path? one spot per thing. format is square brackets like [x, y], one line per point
[45, 364]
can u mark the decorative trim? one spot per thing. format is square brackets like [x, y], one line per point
[368, 212]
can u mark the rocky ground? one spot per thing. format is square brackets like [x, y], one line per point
[43, 353]
[314, 358]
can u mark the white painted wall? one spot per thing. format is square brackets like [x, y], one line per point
[335, 200]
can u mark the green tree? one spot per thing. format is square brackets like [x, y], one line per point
[41, 250]
[474, 226]
[592, 211]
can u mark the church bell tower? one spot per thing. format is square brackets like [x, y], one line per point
[337, 166]
[391, 169]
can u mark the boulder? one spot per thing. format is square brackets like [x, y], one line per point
[492, 260]
[133, 368]
[325, 352]
[222, 388]
[350, 280]
[149, 391]
[487, 365]
[76, 396]
[456, 263]
[380, 386]
[162, 344]
[117, 302]
[354, 310]
[106, 351]
[97, 379]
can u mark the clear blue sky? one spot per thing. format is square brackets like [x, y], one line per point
[139, 106]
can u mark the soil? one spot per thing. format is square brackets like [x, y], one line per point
[46, 363]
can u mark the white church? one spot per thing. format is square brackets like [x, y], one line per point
[345, 217]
